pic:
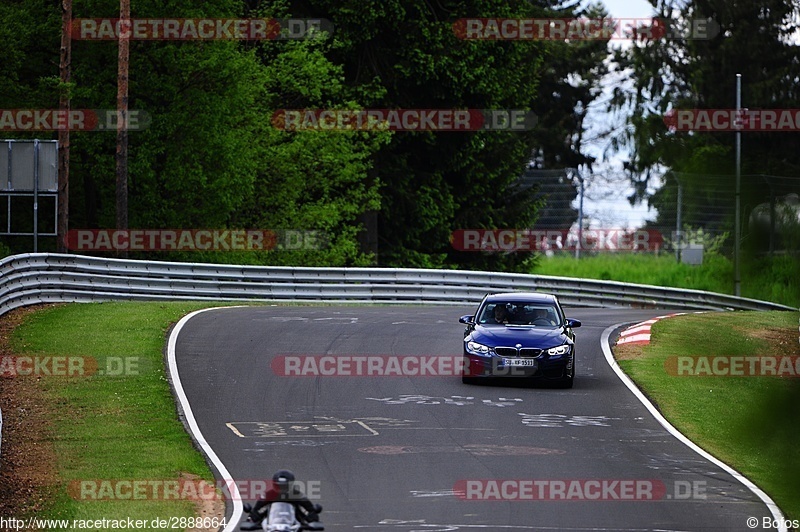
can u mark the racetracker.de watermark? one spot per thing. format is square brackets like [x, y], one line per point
[733, 366]
[73, 120]
[580, 29]
[368, 366]
[183, 489]
[195, 240]
[733, 119]
[199, 29]
[123, 523]
[404, 120]
[578, 490]
[71, 366]
[510, 240]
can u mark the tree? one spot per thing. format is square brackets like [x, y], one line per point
[570, 81]
[399, 54]
[210, 157]
[121, 158]
[65, 73]
[754, 40]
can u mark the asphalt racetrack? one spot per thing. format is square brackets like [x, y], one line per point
[428, 453]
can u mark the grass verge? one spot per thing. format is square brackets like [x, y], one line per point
[751, 423]
[117, 423]
[774, 279]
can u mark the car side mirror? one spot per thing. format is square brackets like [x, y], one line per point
[572, 323]
[468, 319]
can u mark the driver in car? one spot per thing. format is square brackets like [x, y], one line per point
[542, 317]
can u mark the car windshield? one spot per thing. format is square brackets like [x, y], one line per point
[520, 313]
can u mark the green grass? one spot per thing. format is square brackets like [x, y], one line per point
[112, 427]
[774, 279]
[750, 423]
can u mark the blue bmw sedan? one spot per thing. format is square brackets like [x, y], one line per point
[519, 334]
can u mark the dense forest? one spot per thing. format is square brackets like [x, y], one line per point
[760, 41]
[212, 157]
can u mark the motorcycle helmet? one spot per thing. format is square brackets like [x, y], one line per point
[282, 480]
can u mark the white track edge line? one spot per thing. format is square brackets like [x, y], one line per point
[190, 420]
[766, 499]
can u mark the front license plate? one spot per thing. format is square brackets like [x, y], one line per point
[526, 362]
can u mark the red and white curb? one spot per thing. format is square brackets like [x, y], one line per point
[640, 333]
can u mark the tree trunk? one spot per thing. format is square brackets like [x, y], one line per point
[122, 117]
[65, 69]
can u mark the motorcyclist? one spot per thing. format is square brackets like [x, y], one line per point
[284, 489]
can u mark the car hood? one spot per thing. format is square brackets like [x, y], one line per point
[510, 335]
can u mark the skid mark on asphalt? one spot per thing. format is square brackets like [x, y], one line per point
[284, 319]
[473, 449]
[435, 493]
[421, 525]
[263, 446]
[385, 422]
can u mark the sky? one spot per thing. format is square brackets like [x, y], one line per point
[627, 8]
[605, 202]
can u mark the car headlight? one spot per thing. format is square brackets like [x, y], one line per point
[478, 349]
[558, 351]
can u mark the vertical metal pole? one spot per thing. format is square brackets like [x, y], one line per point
[10, 151]
[580, 217]
[771, 219]
[737, 289]
[35, 196]
[679, 223]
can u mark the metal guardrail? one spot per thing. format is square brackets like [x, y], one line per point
[47, 277]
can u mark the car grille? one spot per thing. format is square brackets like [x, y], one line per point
[525, 352]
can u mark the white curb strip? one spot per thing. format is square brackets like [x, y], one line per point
[773, 508]
[233, 524]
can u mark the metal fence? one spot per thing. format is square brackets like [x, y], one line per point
[684, 209]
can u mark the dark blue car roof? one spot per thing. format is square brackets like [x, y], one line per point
[521, 296]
